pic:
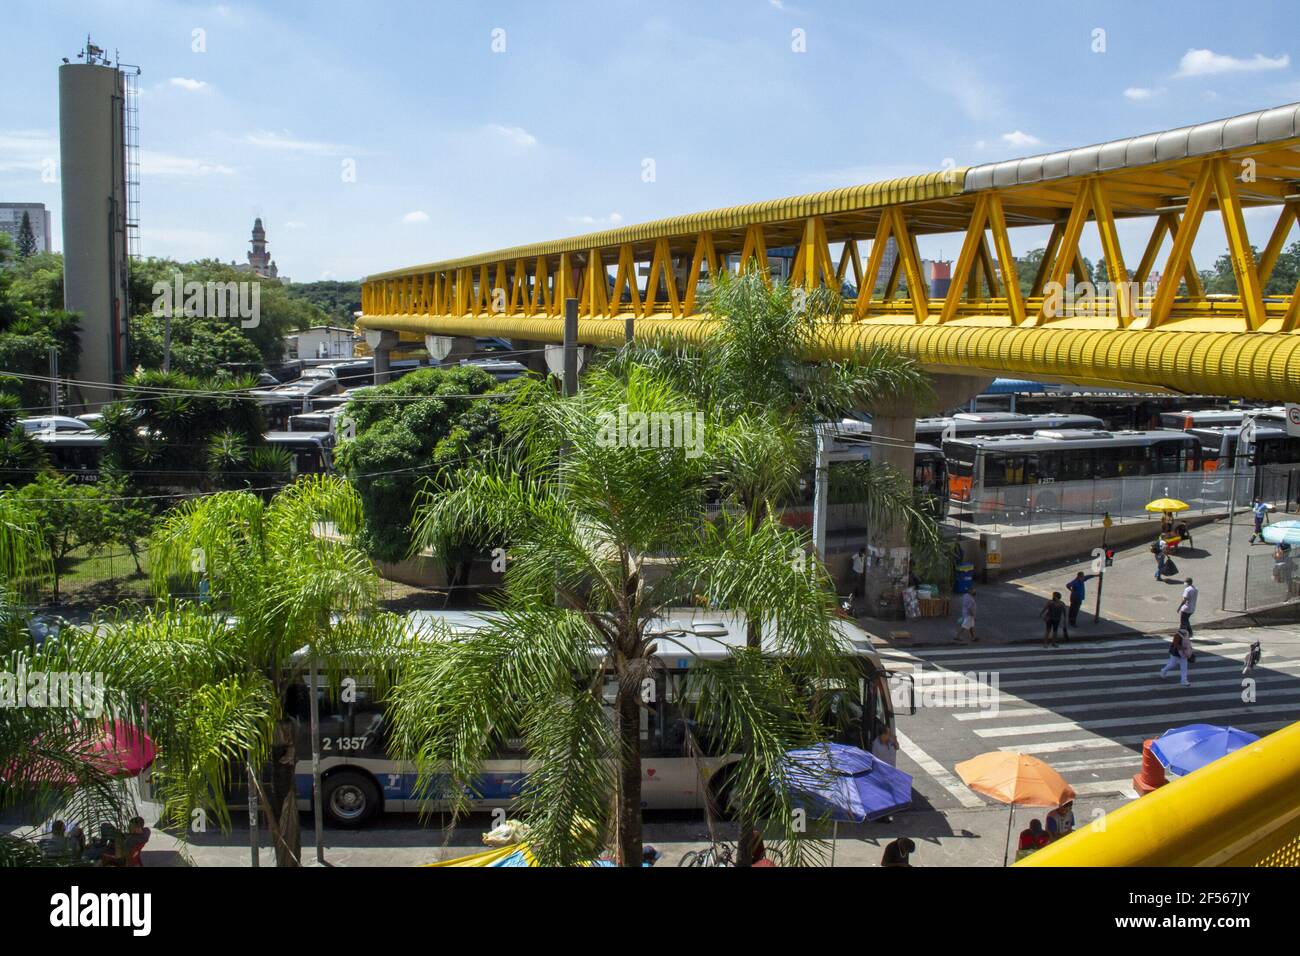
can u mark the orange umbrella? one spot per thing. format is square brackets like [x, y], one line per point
[1013, 778]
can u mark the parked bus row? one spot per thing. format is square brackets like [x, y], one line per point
[964, 458]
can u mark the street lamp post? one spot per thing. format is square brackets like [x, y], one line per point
[1106, 522]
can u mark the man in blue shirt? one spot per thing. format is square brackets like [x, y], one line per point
[1261, 515]
[1076, 589]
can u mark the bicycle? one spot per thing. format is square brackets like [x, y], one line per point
[722, 854]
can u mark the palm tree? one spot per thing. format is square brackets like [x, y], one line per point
[285, 587]
[765, 389]
[603, 536]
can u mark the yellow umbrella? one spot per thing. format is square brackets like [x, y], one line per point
[1013, 778]
[1167, 504]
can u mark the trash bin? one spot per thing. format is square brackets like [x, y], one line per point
[965, 579]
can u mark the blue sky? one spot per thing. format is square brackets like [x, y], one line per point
[458, 148]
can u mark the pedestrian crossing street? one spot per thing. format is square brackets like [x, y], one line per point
[1083, 708]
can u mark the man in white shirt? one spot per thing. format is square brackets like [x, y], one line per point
[1188, 607]
[860, 572]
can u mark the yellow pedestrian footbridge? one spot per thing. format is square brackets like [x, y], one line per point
[1150, 325]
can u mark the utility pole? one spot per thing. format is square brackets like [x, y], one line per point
[1245, 434]
[318, 815]
[1101, 570]
[254, 838]
[570, 347]
[54, 380]
[821, 487]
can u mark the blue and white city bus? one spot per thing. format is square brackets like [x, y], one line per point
[359, 780]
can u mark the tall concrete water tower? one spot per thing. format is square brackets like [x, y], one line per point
[98, 166]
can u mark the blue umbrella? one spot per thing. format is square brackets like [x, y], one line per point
[1189, 748]
[1283, 532]
[845, 783]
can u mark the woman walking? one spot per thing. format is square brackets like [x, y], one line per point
[1180, 652]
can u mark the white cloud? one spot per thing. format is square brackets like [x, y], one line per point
[27, 149]
[186, 83]
[154, 163]
[777, 3]
[295, 224]
[516, 134]
[613, 219]
[278, 141]
[1139, 93]
[417, 215]
[1208, 63]
[1018, 140]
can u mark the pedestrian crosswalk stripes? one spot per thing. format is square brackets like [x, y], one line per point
[1084, 708]
[1143, 700]
[1220, 667]
[1176, 717]
[1125, 740]
[940, 774]
[1055, 654]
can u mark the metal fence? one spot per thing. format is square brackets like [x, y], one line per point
[1280, 485]
[1271, 580]
[1067, 504]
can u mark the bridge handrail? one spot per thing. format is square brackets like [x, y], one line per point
[1241, 810]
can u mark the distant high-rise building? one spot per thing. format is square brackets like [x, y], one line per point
[11, 221]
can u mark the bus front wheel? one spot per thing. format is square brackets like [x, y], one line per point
[350, 799]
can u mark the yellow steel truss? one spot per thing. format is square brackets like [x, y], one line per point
[1165, 334]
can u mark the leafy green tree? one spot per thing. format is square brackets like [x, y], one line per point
[603, 537]
[28, 330]
[68, 516]
[427, 423]
[280, 313]
[339, 300]
[199, 346]
[1222, 280]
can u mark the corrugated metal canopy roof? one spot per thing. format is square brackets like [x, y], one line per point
[1261, 127]
[1249, 129]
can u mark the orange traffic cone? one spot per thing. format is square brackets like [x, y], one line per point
[1152, 775]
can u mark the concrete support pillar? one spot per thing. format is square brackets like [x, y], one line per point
[893, 441]
[381, 342]
[554, 358]
[532, 355]
[449, 349]
[893, 435]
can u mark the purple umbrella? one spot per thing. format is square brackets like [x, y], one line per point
[844, 783]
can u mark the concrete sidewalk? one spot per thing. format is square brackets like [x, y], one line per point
[1133, 602]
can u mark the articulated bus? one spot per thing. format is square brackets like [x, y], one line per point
[1272, 446]
[1187, 419]
[1058, 470]
[360, 780]
[967, 424]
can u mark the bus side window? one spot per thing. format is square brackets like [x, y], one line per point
[1030, 469]
[997, 471]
